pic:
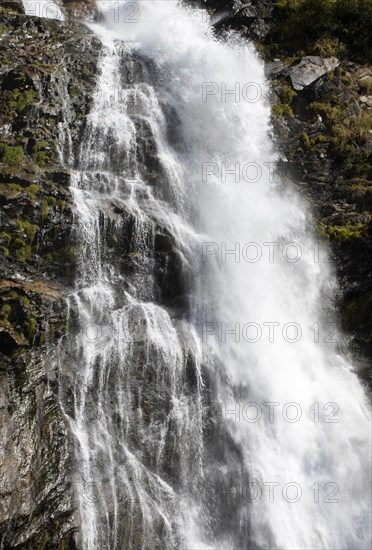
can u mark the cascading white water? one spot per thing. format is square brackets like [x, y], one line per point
[149, 172]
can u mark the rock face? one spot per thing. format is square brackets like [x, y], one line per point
[46, 82]
[310, 69]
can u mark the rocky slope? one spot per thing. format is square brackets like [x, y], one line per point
[46, 81]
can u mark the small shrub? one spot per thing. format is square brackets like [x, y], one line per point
[281, 109]
[329, 46]
[11, 154]
[23, 254]
[42, 153]
[344, 232]
[304, 139]
[29, 229]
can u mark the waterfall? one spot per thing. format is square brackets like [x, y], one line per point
[213, 403]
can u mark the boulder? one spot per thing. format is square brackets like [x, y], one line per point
[309, 69]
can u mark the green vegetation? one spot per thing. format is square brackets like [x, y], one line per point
[5, 238]
[32, 191]
[3, 29]
[45, 203]
[44, 208]
[17, 100]
[11, 154]
[325, 27]
[281, 109]
[30, 327]
[23, 254]
[74, 91]
[285, 96]
[305, 140]
[52, 201]
[42, 153]
[343, 232]
[29, 229]
[15, 187]
[348, 135]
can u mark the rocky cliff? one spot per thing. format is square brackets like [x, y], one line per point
[46, 81]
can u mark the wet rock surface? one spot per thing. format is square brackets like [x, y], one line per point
[46, 82]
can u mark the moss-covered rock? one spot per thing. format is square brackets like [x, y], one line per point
[11, 154]
[36, 509]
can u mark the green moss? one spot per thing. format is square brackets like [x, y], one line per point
[5, 238]
[18, 243]
[329, 46]
[30, 327]
[354, 128]
[15, 187]
[23, 254]
[74, 91]
[304, 139]
[286, 94]
[42, 153]
[4, 250]
[32, 191]
[24, 301]
[346, 79]
[280, 109]
[360, 184]
[28, 228]
[52, 201]
[348, 134]
[343, 232]
[44, 208]
[3, 29]
[322, 138]
[17, 99]
[5, 311]
[11, 154]
[331, 113]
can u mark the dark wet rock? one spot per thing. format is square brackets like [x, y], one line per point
[46, 80]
